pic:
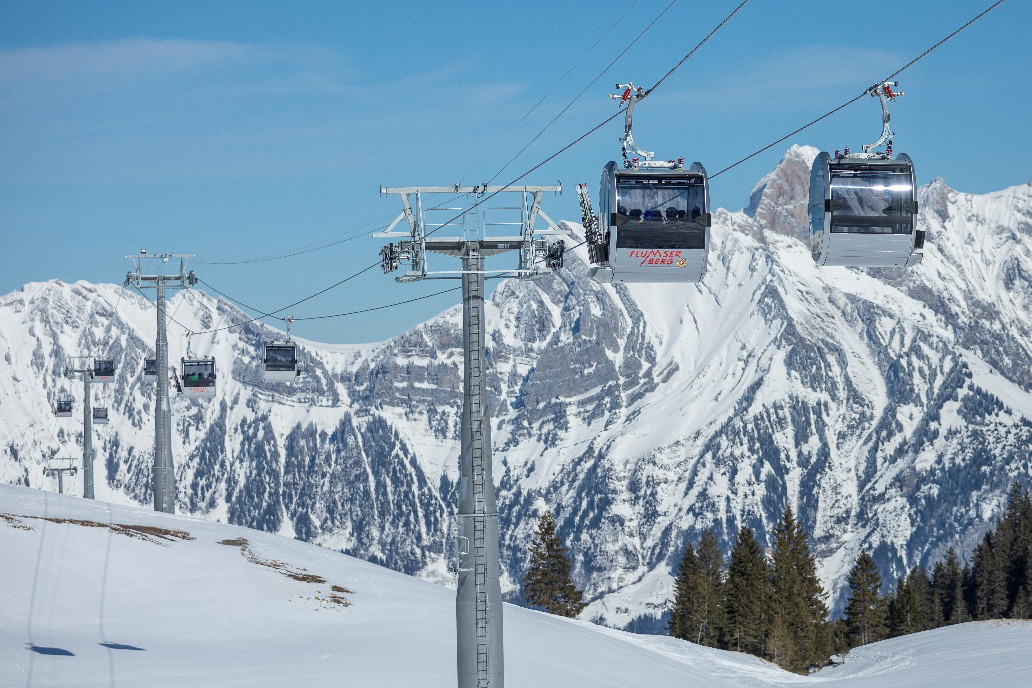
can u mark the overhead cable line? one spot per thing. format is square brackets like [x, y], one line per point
[562, 150]
[317, 245]
[378, 308]
[308, 248]
[598, 126]
[550, 90]
[289, 306]
[492, 194]
[593, 81]
[864, 93]
[170, 317]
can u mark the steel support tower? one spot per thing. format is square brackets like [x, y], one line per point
[164, 469]
[59, 467]
[478, 598]
[83, 366]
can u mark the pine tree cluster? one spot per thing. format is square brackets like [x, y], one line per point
[997, 584]
[773, 606]
[770, 606]
[548, 584]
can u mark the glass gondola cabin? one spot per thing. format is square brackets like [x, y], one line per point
[103, 371]
[863, 212]
[657, 222]
[279, 363]
[100, 415]
[63, 408]
[150, 370]
[198, 377]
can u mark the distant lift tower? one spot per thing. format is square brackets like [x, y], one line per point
[164, 469]
[83, 366]
[59, 467]
[478, 604]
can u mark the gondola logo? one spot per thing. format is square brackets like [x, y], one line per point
[658, 256]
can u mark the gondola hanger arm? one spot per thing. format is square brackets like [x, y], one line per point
[883, 91]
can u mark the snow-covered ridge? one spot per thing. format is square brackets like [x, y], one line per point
[890, 409]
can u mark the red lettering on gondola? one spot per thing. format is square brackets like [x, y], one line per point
[656, 256]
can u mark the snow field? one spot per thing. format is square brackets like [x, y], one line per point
[88, 605]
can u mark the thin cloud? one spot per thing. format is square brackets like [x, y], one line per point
[118, 59]
[802, 75]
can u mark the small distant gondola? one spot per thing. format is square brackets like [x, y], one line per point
[198, 377]
[100, 415]
[150, 371]
[63, 408]
[862, 208]
[279, 362]
[103, 371]
[654, 217]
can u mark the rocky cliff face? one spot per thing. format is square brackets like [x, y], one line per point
[891, 409]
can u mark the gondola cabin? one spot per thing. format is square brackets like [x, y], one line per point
[655, 224]
[100, 415]
[63, 408]
[103, 371]
[198, 377]
[279, 362]
[863, 212]
[150, 371]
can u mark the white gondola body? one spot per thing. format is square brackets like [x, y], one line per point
[150, 371]
[657, 221]
[104, 371]
[279, 362]
[63, 408]
[100, 415]
[198, 377]
[863, 212]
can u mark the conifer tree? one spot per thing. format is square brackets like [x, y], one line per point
[1018, 518]
[710, 595]
[745, 591]
[548, 583]
[685, 584]
[865, 613]
[949, 585]
[797, 595]
[910, 606]
[990, 568]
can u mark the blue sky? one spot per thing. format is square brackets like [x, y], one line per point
[236, 130]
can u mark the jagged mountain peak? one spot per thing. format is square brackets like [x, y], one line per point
[779, 199]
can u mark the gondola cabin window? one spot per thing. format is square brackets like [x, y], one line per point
[660, 213]
[871, 203]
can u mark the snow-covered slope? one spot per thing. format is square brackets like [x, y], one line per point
[102, 595]
[891, 409]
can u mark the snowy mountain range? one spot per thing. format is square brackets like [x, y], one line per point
[892, 409]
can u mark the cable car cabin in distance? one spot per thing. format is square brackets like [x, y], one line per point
[103, 371]
[279, 363]
[863, 212]
[657, 223]
[63, 408]
[198, 377]
[150, 370]
[100, 415]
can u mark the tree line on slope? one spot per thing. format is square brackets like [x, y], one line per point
[773, 605]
